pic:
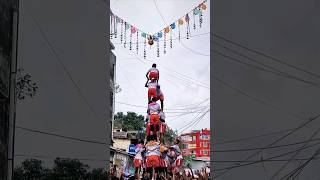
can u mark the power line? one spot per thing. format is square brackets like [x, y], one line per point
[57, 57]
[263, 148]
[52, 157]
[184, 78]
[277, 140]
[256, 61]
[252, 137]
[270, 160]
[267, 56]
[300, 168]
[141, 106]
[267, 70]
[294, 155]
[61, 136]
[254, 98]
[258, 161]
[194, 122]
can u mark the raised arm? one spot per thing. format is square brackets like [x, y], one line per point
[146, 85]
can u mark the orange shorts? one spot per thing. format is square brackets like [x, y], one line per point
[153, 75]
[154, 118]
[155, 128]
[152, 161]
[152, 92]
[137, 162]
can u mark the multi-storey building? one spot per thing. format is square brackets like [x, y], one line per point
[196, 142]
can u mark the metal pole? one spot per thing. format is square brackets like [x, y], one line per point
[13, 71]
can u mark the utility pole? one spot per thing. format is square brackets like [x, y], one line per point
[13, 72]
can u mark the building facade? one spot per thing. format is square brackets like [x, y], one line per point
[196, 142]
[112, 89]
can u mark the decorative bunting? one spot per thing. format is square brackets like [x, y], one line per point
[155, 38]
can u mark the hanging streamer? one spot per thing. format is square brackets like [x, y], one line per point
[164, 41]
[144, 50]
[180, 23]
[171, 40]
[130, 42]
[187, 21]
[194, 19]
[121, 35]
[125, 35]
[158, 48]
[137, 45]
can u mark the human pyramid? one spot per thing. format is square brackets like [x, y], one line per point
[152, 156]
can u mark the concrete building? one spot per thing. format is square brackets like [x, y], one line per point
[8, 48]
[196, 142]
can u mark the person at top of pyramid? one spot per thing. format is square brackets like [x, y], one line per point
[153, 73]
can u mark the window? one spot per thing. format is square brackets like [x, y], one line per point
[205, 137]
[205, 152]
[205, 144]
[194, 138]
[185, 146]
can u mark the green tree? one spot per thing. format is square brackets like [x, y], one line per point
[71, 169]
[169, 135]
[187, 159]
[97, 174]
[130, 121]
[30, 169]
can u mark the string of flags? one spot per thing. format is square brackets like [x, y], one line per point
[128, 31]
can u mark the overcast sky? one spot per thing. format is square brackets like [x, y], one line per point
[194, 63]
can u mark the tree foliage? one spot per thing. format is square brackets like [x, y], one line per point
[68, 169]
[25, 87]
[131, 121]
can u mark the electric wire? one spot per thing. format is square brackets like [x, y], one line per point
[267, 56]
